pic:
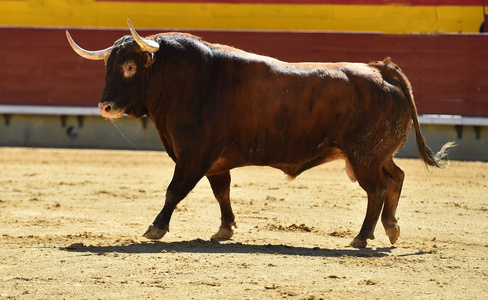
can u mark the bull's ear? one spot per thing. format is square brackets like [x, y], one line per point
[149, 59]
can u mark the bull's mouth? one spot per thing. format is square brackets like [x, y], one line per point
[109, 111]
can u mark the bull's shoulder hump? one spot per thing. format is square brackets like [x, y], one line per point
[173, 34]
[233, 52]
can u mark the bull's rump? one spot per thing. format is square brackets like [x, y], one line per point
[296, 116]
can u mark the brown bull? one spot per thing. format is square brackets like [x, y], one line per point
[217, 108]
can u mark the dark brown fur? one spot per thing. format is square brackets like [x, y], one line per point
[217, 108]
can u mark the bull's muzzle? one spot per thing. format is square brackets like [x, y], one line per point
[108, 110]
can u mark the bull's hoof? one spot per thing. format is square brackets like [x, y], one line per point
[154, 233]
[361, 240]
[223, 234]
[358, 243]
[393, 233]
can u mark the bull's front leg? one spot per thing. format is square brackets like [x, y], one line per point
[187, 174]
[161, 224]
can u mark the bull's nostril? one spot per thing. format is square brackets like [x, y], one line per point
[108, 108]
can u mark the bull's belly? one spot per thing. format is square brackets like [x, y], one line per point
[291, 166]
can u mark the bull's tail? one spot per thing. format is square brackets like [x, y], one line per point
[392, 71]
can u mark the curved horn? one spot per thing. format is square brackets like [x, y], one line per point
[93, 55]
[146, 45]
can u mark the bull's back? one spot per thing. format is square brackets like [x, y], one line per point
[291, 112]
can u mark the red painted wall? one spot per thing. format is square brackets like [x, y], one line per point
[448, 72]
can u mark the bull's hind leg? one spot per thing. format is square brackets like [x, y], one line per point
[395, 176]
[373, 181]
[221, 188]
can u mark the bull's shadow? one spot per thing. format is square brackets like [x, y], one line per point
[202, 246]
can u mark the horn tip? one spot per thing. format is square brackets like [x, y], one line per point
[68, 36]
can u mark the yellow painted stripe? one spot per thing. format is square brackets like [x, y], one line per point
[382, 18]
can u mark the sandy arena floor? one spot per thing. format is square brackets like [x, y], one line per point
[71, 224]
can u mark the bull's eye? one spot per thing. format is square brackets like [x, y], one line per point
[129, 68]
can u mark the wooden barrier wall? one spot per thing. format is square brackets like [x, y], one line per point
[448, 72]
[389, 16]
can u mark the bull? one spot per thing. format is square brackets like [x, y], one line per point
[217, 108]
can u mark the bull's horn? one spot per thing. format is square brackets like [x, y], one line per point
[93, 55]
[146, 45]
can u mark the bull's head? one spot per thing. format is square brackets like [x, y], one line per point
[126, 62]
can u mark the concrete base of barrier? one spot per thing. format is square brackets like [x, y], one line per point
[471, 140]
[72, 127]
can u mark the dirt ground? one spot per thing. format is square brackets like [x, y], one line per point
[71, 224]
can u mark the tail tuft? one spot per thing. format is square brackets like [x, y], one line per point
[443, 154]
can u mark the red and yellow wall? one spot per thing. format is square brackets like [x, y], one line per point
[447, 69]
[387, 16]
